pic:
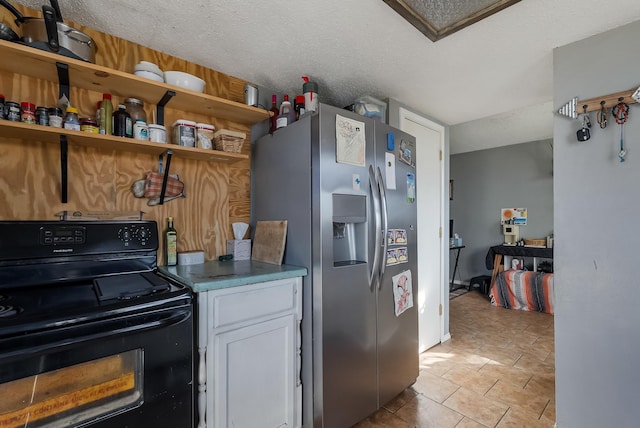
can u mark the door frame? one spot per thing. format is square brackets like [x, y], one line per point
[407, 115]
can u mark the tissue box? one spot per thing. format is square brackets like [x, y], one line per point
[240, 248]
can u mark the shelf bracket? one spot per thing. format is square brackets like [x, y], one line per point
[64, 152]
[63, 79]
[160, 107]
[166, 176]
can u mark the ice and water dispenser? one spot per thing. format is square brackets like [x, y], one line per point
[349, 229]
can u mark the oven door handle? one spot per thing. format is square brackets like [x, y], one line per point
[107, 328]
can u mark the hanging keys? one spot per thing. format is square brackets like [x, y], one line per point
[621, 114]
[584, 134]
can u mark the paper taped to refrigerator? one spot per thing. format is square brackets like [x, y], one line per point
[350, 141]
[402, 292]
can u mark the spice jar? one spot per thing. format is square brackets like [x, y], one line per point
[28, 112]
[12, 111]
[71, 120]
[135, 108]
[55, 117]
[89, 125]
[42, 116]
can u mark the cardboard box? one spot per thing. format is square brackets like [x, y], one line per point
[240, 248]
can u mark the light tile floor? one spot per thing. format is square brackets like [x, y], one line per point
[497, 371]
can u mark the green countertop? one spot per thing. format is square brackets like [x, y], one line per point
[215, 275]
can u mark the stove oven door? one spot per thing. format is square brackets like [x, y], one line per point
[130, 371]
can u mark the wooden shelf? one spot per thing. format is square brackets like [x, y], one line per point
[40, 64]
[52, 135]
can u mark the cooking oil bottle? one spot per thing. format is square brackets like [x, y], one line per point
[171, 243]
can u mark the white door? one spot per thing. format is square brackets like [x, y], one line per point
[430, 204]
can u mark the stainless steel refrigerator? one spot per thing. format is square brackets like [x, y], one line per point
[346, 186]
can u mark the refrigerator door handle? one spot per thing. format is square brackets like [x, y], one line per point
[377, 219]
[385, 226]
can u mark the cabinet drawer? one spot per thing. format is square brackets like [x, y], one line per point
[256, 301]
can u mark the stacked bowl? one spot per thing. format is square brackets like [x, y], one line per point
[149, 70]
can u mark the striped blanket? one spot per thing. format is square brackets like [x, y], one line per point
[519, 289]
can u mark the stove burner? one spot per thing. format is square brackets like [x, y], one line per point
[7, 311]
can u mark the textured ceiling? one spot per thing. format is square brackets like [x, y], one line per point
[492, 72]
[442, 13]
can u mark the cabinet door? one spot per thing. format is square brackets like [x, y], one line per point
[251, 375]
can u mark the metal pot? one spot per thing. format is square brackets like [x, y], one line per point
[7, 33]
[51, 34]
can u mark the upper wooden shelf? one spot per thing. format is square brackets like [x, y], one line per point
[49, 134]
[40, 64]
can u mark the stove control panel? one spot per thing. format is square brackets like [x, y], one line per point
[70, 235]
[135, 233]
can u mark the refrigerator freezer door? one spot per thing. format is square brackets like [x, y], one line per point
[344, 313]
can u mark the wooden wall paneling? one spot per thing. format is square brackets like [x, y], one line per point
[217, 194]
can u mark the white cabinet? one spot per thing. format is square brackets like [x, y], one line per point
[249, 349]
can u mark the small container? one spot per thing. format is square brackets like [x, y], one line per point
[135, 108]
[204, 133]
[310, 90]
[141, 130]
[42, 116]
[28, 113]
[71, 120]
[184, 133]
[89, 125]
[298, 106]
[251, 95]
[157, 133]
[2, 114]
[55, 117]
[12, 111]
[122, 126]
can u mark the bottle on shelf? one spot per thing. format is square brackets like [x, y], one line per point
[286, 113]
[122, 126]
[171, 243]
[275, 110]
[106, 114]
[298, 106]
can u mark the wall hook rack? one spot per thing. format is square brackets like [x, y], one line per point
[575, 107]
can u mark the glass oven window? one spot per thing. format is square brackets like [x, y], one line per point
[72, 395]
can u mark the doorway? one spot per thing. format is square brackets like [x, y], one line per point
[430, 204]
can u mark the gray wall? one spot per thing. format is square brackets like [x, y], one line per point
[596, 205]
[484, 181]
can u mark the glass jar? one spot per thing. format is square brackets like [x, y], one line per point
[28, 112]
[71, 120]
[12, 111]
[55, 117]
[90, 125]
[135, 108]
[42, 116]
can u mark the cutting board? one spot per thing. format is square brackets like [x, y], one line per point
[269, 241]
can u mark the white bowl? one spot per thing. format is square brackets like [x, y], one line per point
[148, 66]
[149, 75]
[184, 80]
